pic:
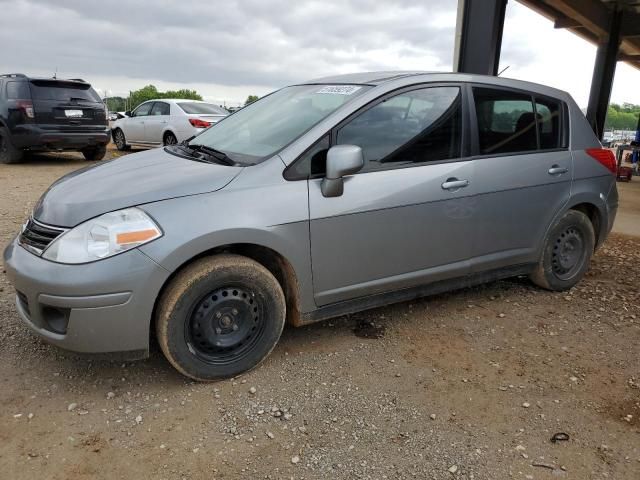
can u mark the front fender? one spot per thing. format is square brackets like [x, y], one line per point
[276, 218]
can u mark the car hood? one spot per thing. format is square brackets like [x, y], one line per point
[127, 181]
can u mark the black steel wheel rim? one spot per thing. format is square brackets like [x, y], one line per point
[225, 325]
[568, 253]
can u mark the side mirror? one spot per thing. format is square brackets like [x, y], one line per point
[342, 160]
[127, 113]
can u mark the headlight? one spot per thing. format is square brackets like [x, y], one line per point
[103, 236]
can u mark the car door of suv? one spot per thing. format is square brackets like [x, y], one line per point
[523, 174]
[134, 130]
[405, 218]
[156, 122]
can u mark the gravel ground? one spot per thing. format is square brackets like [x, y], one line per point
[467, 385]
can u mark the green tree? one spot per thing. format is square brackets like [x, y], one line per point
[250, 99]
[150, 92]
[622, 117]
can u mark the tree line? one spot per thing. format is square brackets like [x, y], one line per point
[622, 117]
[150, 92]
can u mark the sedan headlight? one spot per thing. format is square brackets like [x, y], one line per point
[103, 236]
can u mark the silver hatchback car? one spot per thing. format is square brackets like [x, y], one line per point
[319, 200]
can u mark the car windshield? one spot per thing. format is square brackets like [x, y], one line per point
[266, 126]
[202, 108]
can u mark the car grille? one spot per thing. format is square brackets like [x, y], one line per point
[36, 236]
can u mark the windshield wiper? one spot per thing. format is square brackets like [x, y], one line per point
[218, 155]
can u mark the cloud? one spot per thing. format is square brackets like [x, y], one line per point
[227, 49]
[232, 43]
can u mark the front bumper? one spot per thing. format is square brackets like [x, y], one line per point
[51, 137]
[99, 307]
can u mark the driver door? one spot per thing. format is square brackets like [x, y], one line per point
[398, 222]
[135, 124]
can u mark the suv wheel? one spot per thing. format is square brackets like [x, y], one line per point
[8, 153]
[120, 140]
[567, 253]
[169, 139]
[93, 154]
[220, 316]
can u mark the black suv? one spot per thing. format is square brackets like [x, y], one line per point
[44, 114]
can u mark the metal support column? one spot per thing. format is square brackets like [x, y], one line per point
[479, 36]
[603, 73]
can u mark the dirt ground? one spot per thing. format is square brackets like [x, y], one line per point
[468, 385]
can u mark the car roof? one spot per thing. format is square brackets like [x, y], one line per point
[175, 100]
[366, 78]
[416, 76]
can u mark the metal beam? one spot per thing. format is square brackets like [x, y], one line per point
[479, 36]
[624, 57]
[566, 22]
[603, 73]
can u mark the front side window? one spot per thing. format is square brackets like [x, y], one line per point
[143, 110]
[506, 121]
[160, 108]
[412, 127]
[264, 127]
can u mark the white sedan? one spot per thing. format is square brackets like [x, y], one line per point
[164, 122]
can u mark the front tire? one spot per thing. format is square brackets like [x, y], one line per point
[220, 316]
[120, 140]
[95, 154]
[567, 253]
[9, 153]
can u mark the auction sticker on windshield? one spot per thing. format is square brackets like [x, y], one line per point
[339, 89]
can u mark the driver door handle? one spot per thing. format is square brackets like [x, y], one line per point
[454, 184]
[557, 170]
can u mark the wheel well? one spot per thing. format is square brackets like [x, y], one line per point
[279, 267]
[591, 211]
[164, 135]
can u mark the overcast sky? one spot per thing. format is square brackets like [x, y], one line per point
[229, 49]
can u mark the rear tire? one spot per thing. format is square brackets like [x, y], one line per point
[169, 139]
[120, 140]
[567, 253]
[8, 152]
[219, 317]
[94, 154]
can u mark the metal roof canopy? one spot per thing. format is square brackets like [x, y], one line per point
[613, 25]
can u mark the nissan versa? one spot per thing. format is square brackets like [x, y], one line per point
[321, 199]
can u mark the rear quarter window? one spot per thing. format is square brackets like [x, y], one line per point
[17, 90]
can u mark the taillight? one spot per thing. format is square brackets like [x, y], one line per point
[605, 157]
[26, 106]
[196, 122]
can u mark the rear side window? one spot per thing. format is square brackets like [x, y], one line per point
[63, 91]
[17, 90]
[413, 127]
[506, 121]
[160, 108]
[513, 122]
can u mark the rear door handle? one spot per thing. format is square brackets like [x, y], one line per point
[454, 184]
[557, 170]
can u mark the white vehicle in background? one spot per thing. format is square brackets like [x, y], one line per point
[164, 122]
